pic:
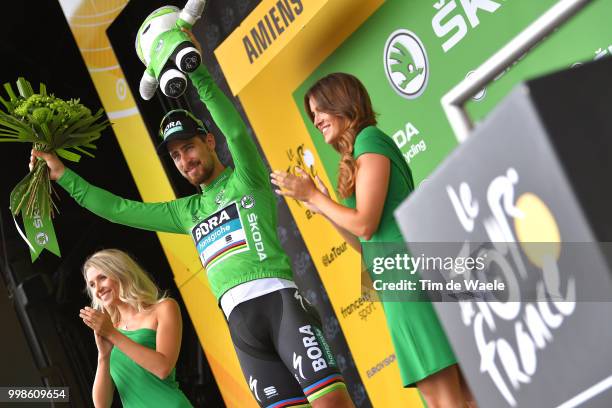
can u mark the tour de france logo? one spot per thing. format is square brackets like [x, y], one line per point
[535, 227]
[406, 64]
[508, 334]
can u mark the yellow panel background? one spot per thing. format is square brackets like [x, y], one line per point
[268, 102]
[237, 65]
[88, 21]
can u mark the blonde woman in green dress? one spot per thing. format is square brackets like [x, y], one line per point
[373, 179]
[137, 332]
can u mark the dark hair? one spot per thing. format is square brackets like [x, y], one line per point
[343, 95]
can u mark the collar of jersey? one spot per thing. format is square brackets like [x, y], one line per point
[220, 179]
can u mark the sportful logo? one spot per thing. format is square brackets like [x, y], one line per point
[270, 392]
[406, 64]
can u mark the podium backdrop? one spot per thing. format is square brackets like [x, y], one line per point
[269, 67]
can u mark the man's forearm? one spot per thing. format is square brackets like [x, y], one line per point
[222, 110]
[148, 216]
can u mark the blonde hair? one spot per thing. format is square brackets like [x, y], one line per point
[343, 95]
[135, 286]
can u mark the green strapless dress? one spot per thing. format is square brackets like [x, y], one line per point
[138, 388]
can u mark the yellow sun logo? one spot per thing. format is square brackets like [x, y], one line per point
[537, 231]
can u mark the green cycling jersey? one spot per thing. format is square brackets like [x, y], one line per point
[232, 221]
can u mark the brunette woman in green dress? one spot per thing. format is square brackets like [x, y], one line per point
[373, 179]
[137, 331]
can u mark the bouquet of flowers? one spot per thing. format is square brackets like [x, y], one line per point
[53, 125]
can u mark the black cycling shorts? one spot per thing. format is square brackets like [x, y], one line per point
[283, 354]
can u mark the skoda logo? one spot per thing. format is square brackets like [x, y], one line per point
[406, 64]
[247, 201]
[42, 238]
[219, 197]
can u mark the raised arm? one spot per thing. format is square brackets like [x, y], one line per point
[247, 160]
[148, 216]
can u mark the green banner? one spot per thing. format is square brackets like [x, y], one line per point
[41, 234]
[39, 231]
[410, 54]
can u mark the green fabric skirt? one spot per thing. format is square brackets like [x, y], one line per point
[421, 346]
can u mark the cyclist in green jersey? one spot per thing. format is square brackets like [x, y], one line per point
[277, 334]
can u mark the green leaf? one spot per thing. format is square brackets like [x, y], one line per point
[8, 131]
[17, 197]
[46, 132]
[81, 124]
[16, 125]
[76, 118]
[9, 91]
[7, 104]
[42, 89]
[65, 154]
[18, 140]
[87, 133]
[42, 197]
[78, 149]
[71, 142]
[54, 124]
[24, 87]
[59, 141]
[29, 134]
